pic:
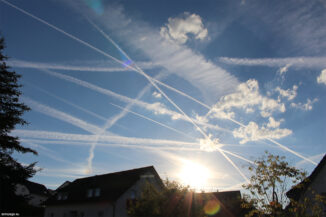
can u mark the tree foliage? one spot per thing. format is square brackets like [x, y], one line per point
[171, 200]
[11, 110]
[271, 178]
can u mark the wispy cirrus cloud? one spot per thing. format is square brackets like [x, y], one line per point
[297, 62]
[37, 134]
[157, 108]
[46, 110]
[65, 67]
[291, 27]
[203, 74]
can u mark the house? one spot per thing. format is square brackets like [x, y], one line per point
[105, 195]
[316, 182]
[37, 193]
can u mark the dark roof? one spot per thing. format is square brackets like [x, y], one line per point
[222, 196]
[36, 188]
[63, 185]
[112, 186]
[297, 190]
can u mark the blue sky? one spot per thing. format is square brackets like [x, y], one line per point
[115, 85]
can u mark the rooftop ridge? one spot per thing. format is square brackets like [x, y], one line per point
[117, 172]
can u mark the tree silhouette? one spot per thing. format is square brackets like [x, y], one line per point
[271, 178]
[11, 110]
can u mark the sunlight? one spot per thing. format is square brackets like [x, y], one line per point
[194, 174]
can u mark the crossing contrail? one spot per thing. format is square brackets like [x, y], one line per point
[149, 119]
[67, 102]
[146, 76]
[137, 69]
[171, 101]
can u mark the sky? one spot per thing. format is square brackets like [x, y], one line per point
[186, 86]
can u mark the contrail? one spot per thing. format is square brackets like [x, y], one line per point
[297, 60]
[175, 105]
[150, 79]
[291, 151]
[40, 134]
[137, 69]
[131, 146]
[47, 152]
[25, 64]
[110, 122]
[156, 108]
[61, 115]
[67, 102]
[62, 31]
[150, 107]
[113, 58]
[159, 123]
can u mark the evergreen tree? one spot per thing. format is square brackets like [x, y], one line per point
[11, 110]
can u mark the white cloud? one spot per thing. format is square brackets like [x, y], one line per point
[289, 94]
[305, 106]
[157, 94]
[272, 123]
[209, 144]
[246, 97]
[252, 132]
[178, 28]
[284, 69]
[321, 79]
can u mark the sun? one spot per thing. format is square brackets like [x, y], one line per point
[194, 174]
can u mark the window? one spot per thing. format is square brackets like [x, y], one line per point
[133, 194]
[93, 192]
[90, 193]
[97, 192]
[64, 196]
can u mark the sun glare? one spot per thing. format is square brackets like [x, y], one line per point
[194, 174]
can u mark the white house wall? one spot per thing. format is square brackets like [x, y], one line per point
[35, 199]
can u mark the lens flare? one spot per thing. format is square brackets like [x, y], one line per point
[127, 63]
[212, 207]
[96, 5]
